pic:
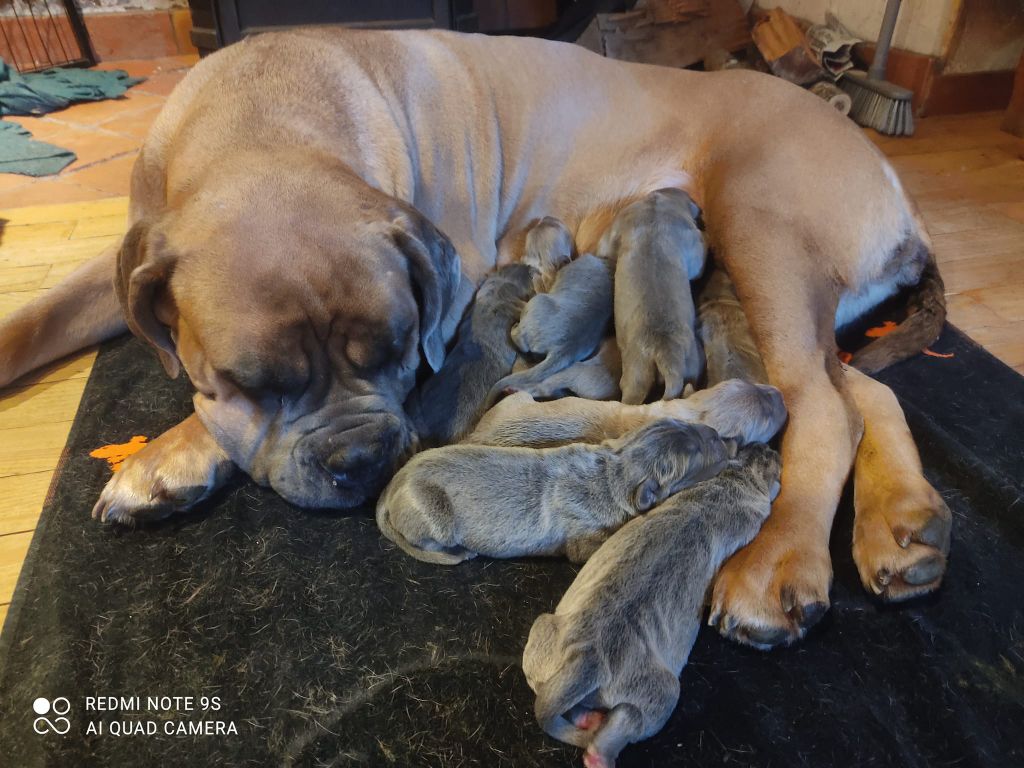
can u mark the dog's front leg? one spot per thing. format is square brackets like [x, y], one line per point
[773, 590]
[172, 474]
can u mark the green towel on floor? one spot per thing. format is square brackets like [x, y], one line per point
[20, 153]
[40, 92]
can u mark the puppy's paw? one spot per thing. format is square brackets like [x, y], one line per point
[594, 759]
[151, 485]
[900, 546]
[679, 363]
[770, 593]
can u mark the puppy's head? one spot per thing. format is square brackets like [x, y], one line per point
[549, 247]
[666, 456]
[760, 466]
[741, 410]
[505, 292]
[299, 301]
[678, 199]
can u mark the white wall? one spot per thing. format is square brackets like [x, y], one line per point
[924, 26]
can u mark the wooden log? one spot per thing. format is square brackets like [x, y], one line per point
[638, 36]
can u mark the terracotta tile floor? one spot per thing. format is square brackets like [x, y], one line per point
[106, 136]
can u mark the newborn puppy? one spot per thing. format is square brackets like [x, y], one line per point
[605, 665]
[450, 504]
[728, 344]
[658, 251]
[565, 325]
[451, 402]
[596, 378]
[549, 247]
[738, 410]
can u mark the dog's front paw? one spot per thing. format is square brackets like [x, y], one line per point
[171, 474]
[771, 592]
[900, 545]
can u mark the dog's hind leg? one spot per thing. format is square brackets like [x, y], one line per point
[172, 474]
[775, 588]
[80, 310]
[902, 525]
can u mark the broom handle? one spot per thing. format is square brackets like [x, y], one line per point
[877, 70]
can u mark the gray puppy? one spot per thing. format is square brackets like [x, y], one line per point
[565, 325]
[596, 378]
[729, 346]
[549, 247]
[451, 402]
[605, 665]
[451, 504]
[658, 250]
[736, 409]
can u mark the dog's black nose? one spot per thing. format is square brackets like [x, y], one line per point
[358, 466]
[366, 458]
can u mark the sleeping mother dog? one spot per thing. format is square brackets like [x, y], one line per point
[313, 209]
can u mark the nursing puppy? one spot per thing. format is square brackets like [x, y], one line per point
[451, 504]
[658, 251]
[605, 665]
[736, 409]
[549, 247]
[596, 378]
[565, 325]
[451, 402]
[729, 347]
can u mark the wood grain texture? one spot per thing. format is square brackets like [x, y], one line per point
[21, 499]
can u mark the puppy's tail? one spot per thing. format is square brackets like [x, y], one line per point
[927, 307]
[563, 693]
[450, 556]
[80, 310]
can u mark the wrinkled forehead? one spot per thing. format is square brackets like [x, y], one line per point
[278, 315]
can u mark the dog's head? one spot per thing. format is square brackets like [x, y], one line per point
[665, 456]
[300, 306]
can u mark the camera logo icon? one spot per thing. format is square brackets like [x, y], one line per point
[58, 707]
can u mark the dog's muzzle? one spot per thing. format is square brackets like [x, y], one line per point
[361, 459]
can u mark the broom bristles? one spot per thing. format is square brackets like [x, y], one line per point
[879, 104]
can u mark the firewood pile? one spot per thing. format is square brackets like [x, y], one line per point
[718, 34]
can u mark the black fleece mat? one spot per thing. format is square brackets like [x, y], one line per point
[325, 646]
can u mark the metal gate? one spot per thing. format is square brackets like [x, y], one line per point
[39, 34]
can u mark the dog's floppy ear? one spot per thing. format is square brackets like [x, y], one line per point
[144, 266]
[436, 271]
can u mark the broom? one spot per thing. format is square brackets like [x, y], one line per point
[877, 103]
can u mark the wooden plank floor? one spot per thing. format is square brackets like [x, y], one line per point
[967, 176]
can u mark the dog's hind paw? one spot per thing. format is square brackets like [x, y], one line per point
[771, 594]
[900, 548]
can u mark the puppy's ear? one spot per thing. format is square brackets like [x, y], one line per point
[436, 272]
[694, 208]
[144, 266]
[647, 495]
